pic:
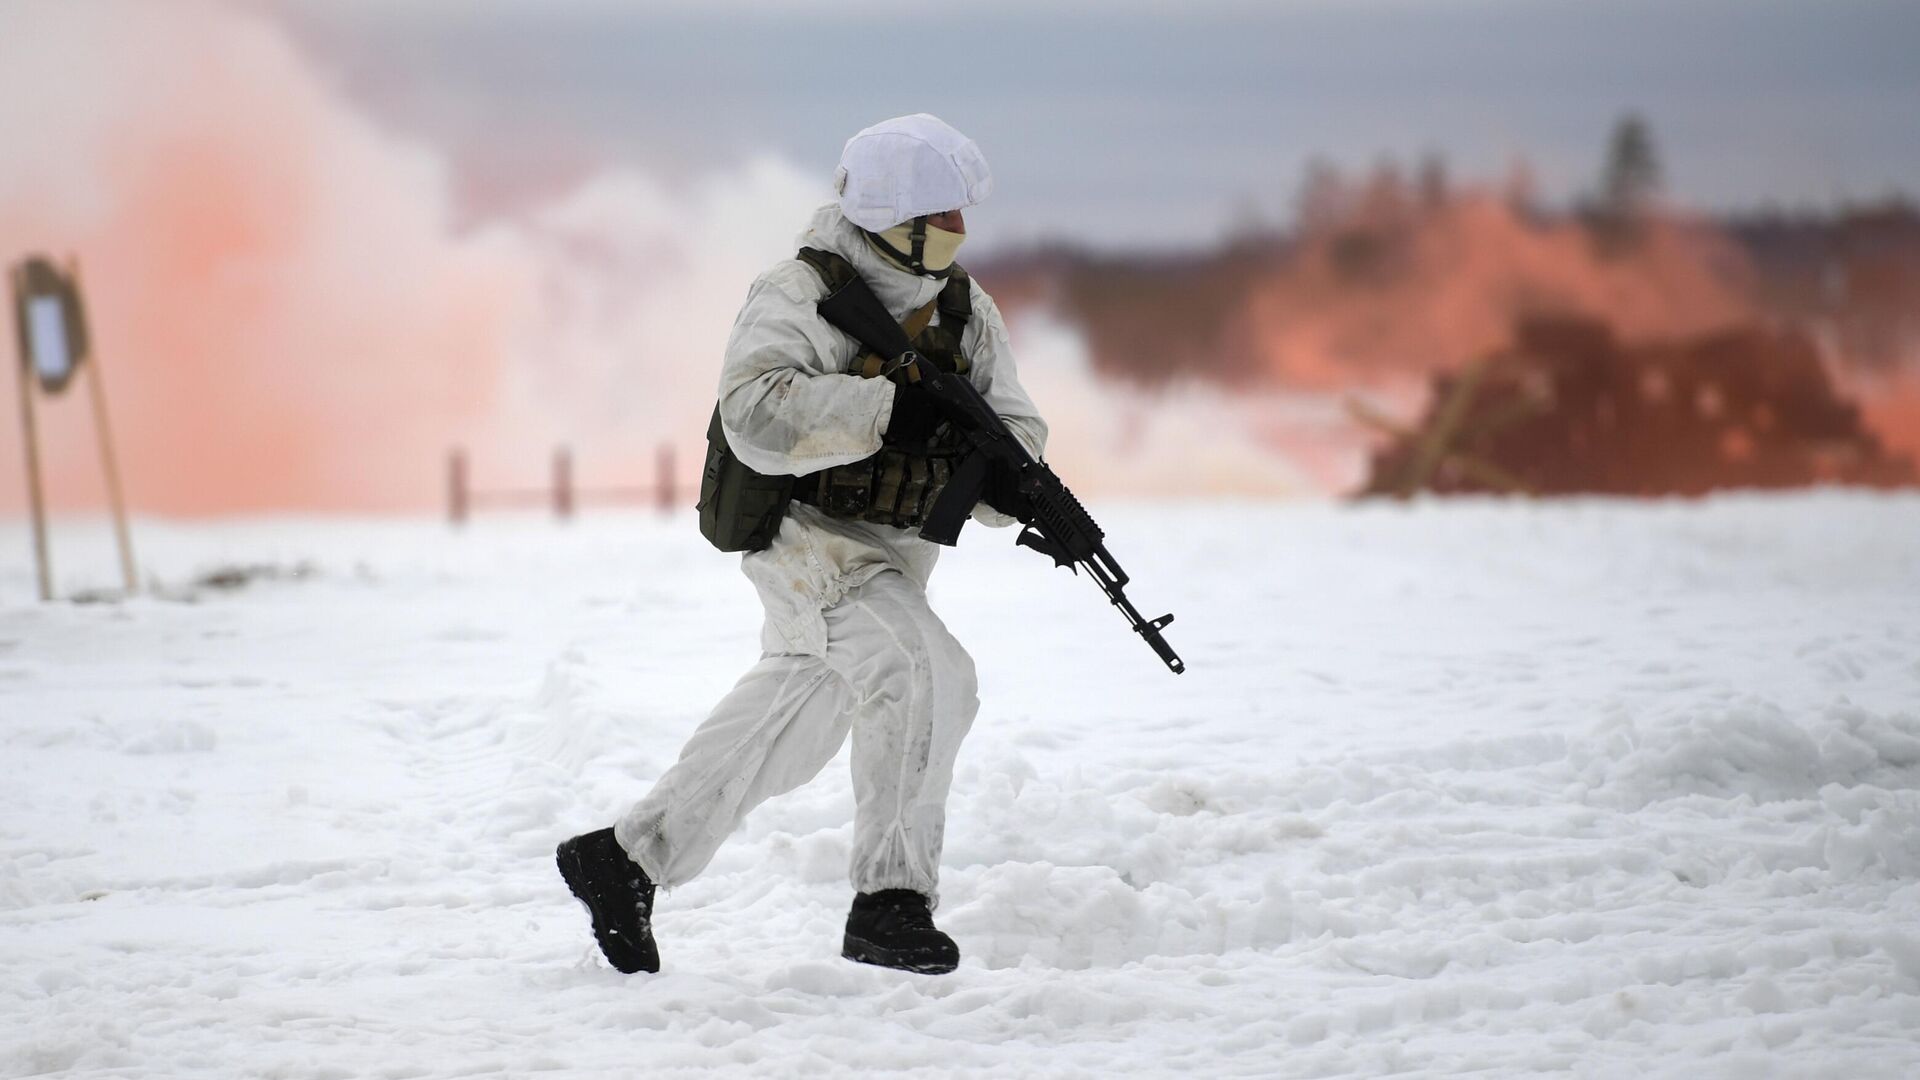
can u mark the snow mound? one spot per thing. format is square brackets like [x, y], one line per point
[1755, 751]
[1449, 789]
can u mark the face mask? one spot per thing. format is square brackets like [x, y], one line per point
[936, 252]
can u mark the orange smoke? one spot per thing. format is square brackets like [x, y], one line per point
[287, 317]
[1891, 406]
[1375, 297]
[282, 317]
[1378, 288]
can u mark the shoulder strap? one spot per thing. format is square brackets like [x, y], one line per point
[851, 306]
[833, 269]
[956, 301]
[918, 320]
[869, 363]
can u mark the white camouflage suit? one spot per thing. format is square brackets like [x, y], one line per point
[849, 642]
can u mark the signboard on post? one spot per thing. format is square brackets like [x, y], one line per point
[52, 323]
[51, 332]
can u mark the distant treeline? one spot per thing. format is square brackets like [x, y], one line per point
[1848, 275]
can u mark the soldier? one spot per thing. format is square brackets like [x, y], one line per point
[849, 643]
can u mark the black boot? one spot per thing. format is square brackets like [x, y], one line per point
[617, 895]
[894, 928]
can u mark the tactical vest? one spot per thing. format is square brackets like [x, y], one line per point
[741, 510]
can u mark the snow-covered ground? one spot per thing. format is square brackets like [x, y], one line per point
[1593, 789]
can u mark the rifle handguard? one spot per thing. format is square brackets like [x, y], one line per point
[1059, 514]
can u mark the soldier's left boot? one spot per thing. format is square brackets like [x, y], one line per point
[618, 896]
[894, 928]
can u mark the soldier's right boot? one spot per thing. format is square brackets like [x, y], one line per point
[617, 895]
[894, 928]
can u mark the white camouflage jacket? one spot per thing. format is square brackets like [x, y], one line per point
[788, 406]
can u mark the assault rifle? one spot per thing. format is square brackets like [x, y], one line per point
[1054, 523]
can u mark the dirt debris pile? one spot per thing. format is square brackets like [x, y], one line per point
[1568, 409]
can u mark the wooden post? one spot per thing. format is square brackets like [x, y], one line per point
[31, 433]
[562, 483]
[116, 500]
[456, 486]
[663, 479]
[1483, 471]
[1434, 447]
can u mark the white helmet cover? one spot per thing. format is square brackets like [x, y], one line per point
[909, 166]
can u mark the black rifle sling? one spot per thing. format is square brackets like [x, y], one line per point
[853, 308]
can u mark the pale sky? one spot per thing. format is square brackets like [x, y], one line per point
[1134, 123]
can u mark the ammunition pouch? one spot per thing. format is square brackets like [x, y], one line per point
[896, 487]
[740, 509]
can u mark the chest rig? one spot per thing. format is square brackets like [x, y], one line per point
[899, 484]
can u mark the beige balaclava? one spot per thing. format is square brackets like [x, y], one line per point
[937, 247]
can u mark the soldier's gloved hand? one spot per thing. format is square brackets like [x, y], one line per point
[915, 414]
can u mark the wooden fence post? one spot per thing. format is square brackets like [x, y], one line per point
[562, 483]
[116, 499]
[31, 433]
[663, 479]
[457, 486]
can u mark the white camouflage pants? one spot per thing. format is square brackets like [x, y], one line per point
[894, 676]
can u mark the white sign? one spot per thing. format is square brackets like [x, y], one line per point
[47, 337]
